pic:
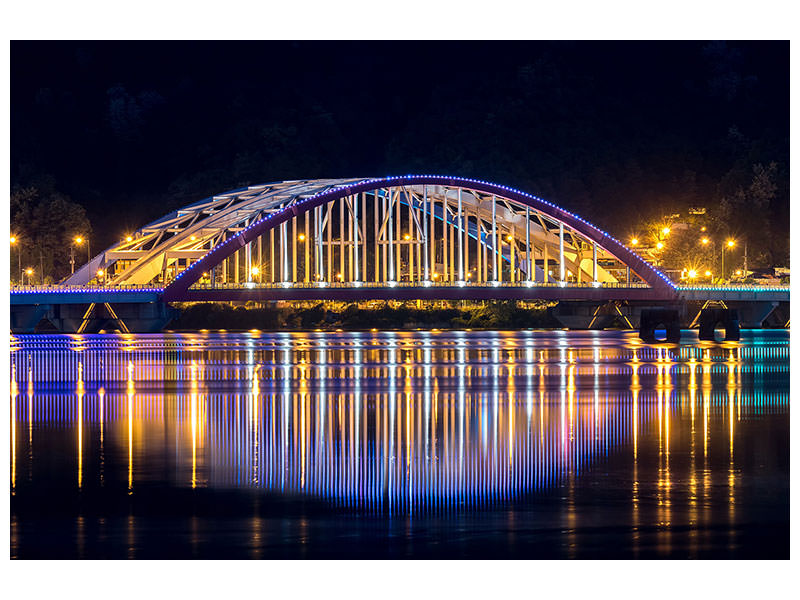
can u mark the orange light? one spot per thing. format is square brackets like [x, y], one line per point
[660, 245]
[738, 271]
[13, 239]
[301, 237]
[255, 271]
[29, 271]
[665, 231]
[731, 243]
[704, 241]
[129, 238]
[708, 273]
[406, 237]
[339, 276]
[100, 272]
[193, 238]
[692, 273]
[634, 241]
[79, 240]
[510, 238]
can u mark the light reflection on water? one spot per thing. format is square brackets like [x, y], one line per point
[397, 422]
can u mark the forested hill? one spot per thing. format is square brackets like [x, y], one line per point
[620, 133]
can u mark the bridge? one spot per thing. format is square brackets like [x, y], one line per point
[416, 237]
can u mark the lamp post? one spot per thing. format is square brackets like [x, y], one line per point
[728, 244]
[29, 273]
[19, 258]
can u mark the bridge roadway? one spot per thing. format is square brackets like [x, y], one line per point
[143, 309]
[27, 295]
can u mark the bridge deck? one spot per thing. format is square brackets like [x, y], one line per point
[400, 291]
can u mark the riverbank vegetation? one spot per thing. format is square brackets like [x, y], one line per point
[366, 315]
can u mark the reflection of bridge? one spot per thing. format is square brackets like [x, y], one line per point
[406, 422]
[412, 237]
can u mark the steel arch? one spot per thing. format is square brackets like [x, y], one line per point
[336, 189]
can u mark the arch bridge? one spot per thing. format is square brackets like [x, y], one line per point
[393, 237]
[423, 237]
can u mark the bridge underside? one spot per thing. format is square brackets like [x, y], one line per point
[473, 292]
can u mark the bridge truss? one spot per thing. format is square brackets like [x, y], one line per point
[409, 231]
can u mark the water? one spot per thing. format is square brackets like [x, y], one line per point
[399, 445]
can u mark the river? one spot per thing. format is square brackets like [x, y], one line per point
[417, 444]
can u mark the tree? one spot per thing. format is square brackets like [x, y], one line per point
[45, 223]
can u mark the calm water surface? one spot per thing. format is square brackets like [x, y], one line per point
[399, 445]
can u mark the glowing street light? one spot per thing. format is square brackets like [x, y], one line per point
[692, 274]
[13, 240]
[708, 273]
[665, 231]
[29, 273]
[301, 237]
[729, 244]
[100, 274]
[660, 246]
[634, 241]
[704, 241]
[129, 238]
[78, 240]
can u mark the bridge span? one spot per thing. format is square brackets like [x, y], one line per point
[415, 237]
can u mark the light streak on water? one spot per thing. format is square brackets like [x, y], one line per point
[402, 422]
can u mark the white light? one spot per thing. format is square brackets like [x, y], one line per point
[250, 285]
[461, 283]
[562, 283]
[427, 283]
[287, 284]
[356, 284]
[529, 283]
[495, 283]
[596, 284]
[391, 283]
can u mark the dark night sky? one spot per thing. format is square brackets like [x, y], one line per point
[615, 131]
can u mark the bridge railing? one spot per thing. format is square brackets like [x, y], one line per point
[409, 284]
[56, 288]
[733, 288]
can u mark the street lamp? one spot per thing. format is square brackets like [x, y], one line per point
[728, 244]
[255, 271]
[29, 273]
[19, 258]
[634, 241]
[100, 275]
[704, 241]
[79, 240]
[665, 231]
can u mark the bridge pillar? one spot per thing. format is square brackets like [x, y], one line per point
[652, 319]
[728, 317]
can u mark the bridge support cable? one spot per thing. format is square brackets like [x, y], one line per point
[528, 267]
[594, 263]
[495, 255]
[561, 265]
[460, 239]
